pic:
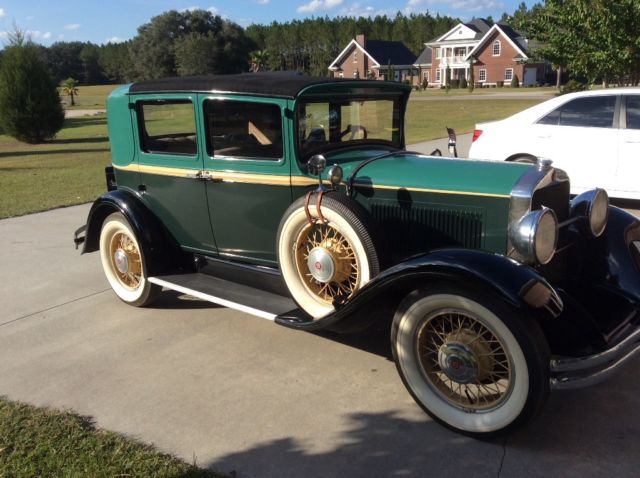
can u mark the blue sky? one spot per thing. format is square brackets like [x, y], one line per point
[101, 21]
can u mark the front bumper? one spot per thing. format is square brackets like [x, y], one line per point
[577, 372]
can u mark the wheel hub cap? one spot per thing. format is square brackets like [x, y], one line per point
[321, 265]
[121, 261]
[458, 362]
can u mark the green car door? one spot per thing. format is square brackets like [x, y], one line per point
[249, 186]
[171, 165]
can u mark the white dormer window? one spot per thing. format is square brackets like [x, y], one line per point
[438, 53]
[496, 48]
[355, 56]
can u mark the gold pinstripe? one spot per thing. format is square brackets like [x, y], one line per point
[278, 180]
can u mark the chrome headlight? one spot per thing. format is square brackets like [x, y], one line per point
[594, 207]
[535, 236]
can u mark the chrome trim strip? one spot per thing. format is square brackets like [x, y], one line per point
[211, 298]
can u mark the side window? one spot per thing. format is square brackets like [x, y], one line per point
[633, 112]
[167, 127]
[242, 129]
[595, 112]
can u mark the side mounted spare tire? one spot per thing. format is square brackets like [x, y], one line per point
[324, 262]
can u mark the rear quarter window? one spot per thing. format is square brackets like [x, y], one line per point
[633, 112]
[167, 127]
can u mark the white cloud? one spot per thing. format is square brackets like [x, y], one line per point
[317, 5]
[264, 2]
[2, 14]
[4, 35]
[114, 40]
[46, 35]
[190, 9]
[72, 26]
[359, 10]
[212, 10]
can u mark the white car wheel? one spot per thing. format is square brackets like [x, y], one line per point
[326, 261]
[123, 263]
[470, 364]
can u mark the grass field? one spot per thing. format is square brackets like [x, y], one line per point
[427, 120]
[40, 442]
[486, 91]
[70, 169]
[89, 97]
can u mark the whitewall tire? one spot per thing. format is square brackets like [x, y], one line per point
[123, 262]
[469, 360]
[328, 261]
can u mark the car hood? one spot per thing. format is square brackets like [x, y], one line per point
[435, 174]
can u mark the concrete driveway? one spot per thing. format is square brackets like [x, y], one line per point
[236, 393]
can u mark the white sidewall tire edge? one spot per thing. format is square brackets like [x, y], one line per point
[480, 422]
[291, 229]
[114, 224]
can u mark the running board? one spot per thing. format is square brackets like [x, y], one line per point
[250, 300]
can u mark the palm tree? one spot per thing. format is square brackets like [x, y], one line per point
[69, 88]
[259, 59]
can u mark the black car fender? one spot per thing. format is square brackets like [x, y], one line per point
[158, 247]
[518, 285]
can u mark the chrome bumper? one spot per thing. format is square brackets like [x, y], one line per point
[577, 372]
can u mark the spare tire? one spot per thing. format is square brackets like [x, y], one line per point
[324, 262]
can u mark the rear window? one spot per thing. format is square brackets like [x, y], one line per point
[595, 112]
[168, 127]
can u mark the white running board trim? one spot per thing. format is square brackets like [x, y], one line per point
[211, 298]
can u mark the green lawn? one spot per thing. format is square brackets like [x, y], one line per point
[70, 169]
[547, 90]
[89, 97]
[428, 119]
[39, 442]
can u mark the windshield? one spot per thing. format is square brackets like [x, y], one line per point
[327, 123]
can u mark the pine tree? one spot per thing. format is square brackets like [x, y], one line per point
[30, 108]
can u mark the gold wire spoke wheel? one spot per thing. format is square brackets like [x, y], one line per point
[126, 260]
[327, 262]
[464, 361]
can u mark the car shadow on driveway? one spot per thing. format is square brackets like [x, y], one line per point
[590, 433]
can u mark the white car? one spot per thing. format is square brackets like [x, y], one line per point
[593, 135]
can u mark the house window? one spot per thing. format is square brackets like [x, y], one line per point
[243, 129]
[508, 74]
[496, 48]
[355, 56]
[438, 53]
[356, 74]
[482, 76]
[341, 75]
[438, 79]
[425, 75]
[168, 127]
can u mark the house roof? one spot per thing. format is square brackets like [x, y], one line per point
[393, 52]
[513, 37]
[425, 58]
[381, 52]
[479, 26]
[280, 84]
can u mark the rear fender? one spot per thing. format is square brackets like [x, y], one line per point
[159, 248]
[518, 285]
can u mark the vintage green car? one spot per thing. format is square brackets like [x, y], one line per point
[292, 198]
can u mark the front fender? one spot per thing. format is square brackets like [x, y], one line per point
[517, 284]
[157, 245]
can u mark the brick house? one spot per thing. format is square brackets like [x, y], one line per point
[499, 53]
[364, 58]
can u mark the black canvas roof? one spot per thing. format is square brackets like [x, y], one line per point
[393, 52]
[281, 84]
